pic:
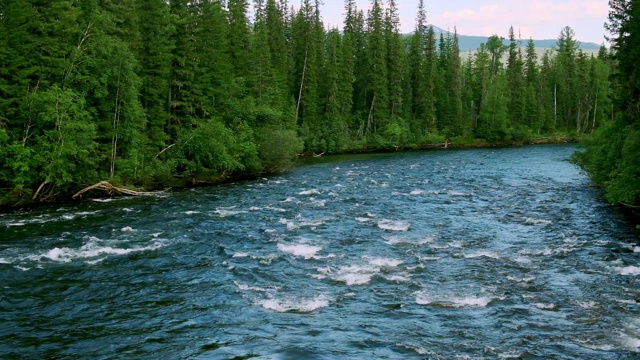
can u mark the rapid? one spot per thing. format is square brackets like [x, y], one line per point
[456, 254]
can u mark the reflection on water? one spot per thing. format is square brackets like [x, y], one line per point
[491, 253]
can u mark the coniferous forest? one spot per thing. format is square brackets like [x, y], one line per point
[155, 93]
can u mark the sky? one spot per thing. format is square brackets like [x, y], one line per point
[538, 19]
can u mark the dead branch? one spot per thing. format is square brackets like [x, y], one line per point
[106, 186]
[630, 206]
[163, 150]
[35, 196]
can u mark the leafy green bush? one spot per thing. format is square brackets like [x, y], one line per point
[278, 148]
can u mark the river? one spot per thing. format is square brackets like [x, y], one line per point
[456, 254]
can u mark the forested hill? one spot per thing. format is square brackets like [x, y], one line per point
[472, 43]
[154, 93]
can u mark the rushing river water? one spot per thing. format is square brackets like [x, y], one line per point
[491, 253]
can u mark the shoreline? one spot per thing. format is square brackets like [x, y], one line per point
[127, 190]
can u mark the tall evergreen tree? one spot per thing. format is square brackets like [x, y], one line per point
[515, 82]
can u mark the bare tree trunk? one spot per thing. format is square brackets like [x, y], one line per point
[116, 122]
[595, 110]
[304, 70]
[555, 105]
[370, 117]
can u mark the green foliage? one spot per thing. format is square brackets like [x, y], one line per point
[611, 159]
[66, 150]
[611, 155]
[153, 93]
[278, 148]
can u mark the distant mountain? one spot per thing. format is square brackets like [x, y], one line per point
[471, 43]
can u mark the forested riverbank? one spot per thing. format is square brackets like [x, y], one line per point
[152, 94]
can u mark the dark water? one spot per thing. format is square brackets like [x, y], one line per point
[452, 254]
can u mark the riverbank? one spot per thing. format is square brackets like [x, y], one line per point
[24, 198]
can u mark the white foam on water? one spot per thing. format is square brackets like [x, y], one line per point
[510, 354]
[362, 274]
[271, 231]
[127, 228]
[319, 203]
[546, 306]
[267, 260]
[630, 342]
[416, 192]
[385, 262]
[291, 226]
[636, 249]
[16, 224]
[439, 247]
[245, 287]
[241, 255]
[192, 212]
[418, 349]
[302, 250]
[629, 270]
[453, 302]
[523, 280]
[534, 221]
[291, 304]
[354, 278]
[91, 249]
[489, 254]
[363, 219]
[93, 262]
[397, 240]
[457, 193]
[290, 199]
[68, 217]
[396, 278]
[5, 261]
[393, 225]
[85, 213]
[225, 212]
[155, 235]
[309, 192]
[275, 209]
[522, 259]
[105, 200]
[588, 345]
[22, 268]
[429, 258]
[544, 252]
[587, 304]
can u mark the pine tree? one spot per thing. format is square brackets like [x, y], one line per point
[533, 117]
[515, 82]
[154, 56]
[378, 94]
[566, 80]
[422, 64]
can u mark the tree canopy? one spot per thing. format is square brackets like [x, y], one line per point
[154, 93]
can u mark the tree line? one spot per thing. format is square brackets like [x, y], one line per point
[152, 93]
[612, 155]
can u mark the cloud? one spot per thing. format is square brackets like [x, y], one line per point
[540, 19]
[535, 18]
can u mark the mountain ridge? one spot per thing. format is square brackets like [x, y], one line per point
[471, 43]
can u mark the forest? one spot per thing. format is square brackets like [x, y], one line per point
[150, 94]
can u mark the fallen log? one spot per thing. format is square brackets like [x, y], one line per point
[108, 187]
